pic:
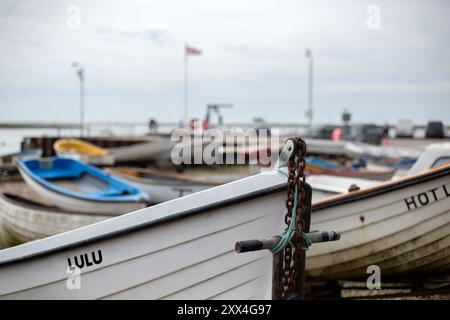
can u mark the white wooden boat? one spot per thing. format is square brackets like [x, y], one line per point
[403, 226]
[182, 248]
[146, 151]
[158, 151]
[355, 150]
[76, 186]
[83, 151]
[25, 220]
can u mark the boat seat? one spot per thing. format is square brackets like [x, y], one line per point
[55, 174]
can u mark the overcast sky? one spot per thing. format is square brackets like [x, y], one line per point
[253, 57]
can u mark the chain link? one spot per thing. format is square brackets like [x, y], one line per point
[292, 253]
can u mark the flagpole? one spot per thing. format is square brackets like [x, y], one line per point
[310, 112]
[186, 97]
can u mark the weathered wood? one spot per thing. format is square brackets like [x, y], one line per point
[277, 276]
[300, 285]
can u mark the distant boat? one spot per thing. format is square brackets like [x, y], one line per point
[8, 159]
[319, 166]
[355, 150]
[8, 169]
[64, 146]
[154, 151]
[158, 150]
[73, 185]
[83, 151]
[326, 185]
[328, 178]
[164, 186]
[25, 220]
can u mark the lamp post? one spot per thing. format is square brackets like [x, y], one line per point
[80, 72]
[309, 112]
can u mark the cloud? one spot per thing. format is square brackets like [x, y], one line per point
[254, 56]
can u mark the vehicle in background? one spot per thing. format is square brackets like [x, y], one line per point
[405, 129]
[323, 131]
[367, 133]
[435, 129]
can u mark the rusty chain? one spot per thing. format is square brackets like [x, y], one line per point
[292, 254]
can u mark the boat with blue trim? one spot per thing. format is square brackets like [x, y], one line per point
[73, 185]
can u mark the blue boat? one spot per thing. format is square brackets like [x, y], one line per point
[323, 164]
[73, 185]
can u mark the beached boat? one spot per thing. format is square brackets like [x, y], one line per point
[402, 226]
[324, 185]
[84, 151]
[76, 186]
[331, 179]
[155, 151]
[67, 146]
[158, 150]
[164, 186]
[24, 220]
[319, 166]
[353, 150]
[9, 159]
[435, 154]
[178, 249]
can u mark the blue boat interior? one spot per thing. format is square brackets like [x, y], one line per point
[323, 163]
[74, 178]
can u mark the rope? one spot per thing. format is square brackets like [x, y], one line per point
[287, 235]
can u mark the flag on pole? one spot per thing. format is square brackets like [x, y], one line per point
[191, 51]
[308, 53]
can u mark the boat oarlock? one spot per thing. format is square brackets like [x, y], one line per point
[289, 248]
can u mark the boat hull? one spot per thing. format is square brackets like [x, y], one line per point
[149, 151]
[188, 256]
[24, 221]
[394, 230]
